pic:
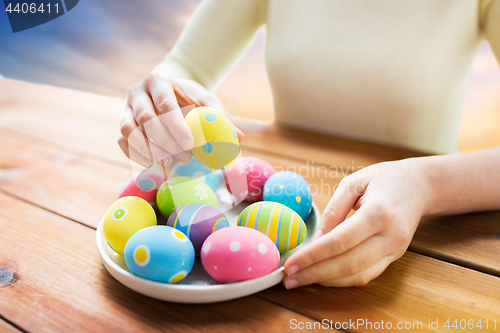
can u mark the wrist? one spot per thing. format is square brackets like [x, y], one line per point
[174, 68]
[449, 186]
[429, 169]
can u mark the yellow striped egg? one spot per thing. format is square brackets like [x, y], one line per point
[216, 143]
[280, 223]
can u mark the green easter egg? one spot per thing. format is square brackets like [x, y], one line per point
[180, 191]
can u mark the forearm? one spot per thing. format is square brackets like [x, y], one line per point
[461, 183]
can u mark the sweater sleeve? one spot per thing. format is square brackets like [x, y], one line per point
[491, 24]
[214, 39]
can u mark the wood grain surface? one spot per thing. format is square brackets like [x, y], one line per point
[413, 289]
[68, 184]
[62, 286]
[7, 328]
[59, 272]
[60, 119]
[71, 183]
[60, 169]
[70, 115]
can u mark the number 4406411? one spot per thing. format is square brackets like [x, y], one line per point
[470, 324]
[32, 8]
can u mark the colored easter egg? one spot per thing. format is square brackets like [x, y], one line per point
[123, 218]
[216, 143]
[256, 172]
[144, 186]
[160, 253]
[198, 221]
[238, 254]
[278, 222]
[196, 170]
[291, 190]
[180, 191]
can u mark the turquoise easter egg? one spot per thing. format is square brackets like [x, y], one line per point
[280, 223]
[159, 253]
[180, 191]
[196, 170]
[291, 190]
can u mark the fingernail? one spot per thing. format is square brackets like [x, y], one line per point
[242, 135]
[318, 234]
[292, 270]
[186, 143]
[163, 160]
[146, 162]
[291, 283]
[184, 156]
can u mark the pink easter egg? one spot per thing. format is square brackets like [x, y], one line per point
[145, 186]
[238, 253]
[257, 172]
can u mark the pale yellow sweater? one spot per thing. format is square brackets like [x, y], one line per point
[388, 71]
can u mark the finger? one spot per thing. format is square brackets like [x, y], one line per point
[154, 128]
[133, 154]
[133, 134]
[348, 263]
[163, 96]
[128, 129]
[344, 198]
[135, 137]
[240, 134]
[161, 137]
[183, 99]
[184, 156]
[205, 99]
[142, 107]
[344, 237]
[191, 92]
[209, 99]
[361, 278]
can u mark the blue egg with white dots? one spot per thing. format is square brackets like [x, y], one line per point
[194, 169]
[159, 253]
[291, 190]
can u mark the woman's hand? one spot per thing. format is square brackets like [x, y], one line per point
[153, 128]
[389, 199]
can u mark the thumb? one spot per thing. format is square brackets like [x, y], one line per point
[240, 134]
[347, 193]
[204, 98]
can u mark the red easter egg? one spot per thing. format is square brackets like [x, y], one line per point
[251, 187]
[145, 186]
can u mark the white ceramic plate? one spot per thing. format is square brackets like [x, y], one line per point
[198, 286]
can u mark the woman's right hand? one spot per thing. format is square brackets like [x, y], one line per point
[153, 128]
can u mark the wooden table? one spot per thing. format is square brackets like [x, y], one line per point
[60, 168]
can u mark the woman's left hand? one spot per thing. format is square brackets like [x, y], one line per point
[389, 199]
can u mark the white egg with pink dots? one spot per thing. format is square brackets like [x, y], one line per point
[238, 253]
